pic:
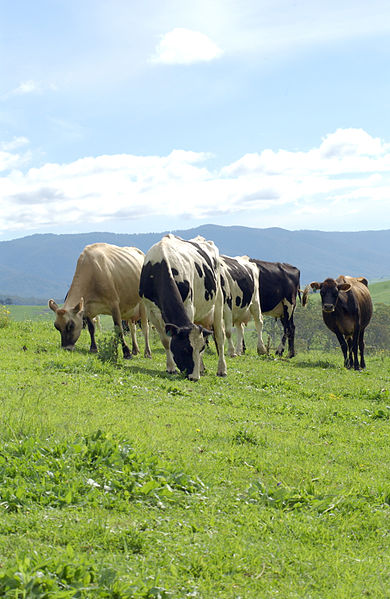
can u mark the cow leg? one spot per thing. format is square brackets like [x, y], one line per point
[291, 337]
[228, 331]
[343, 345]
[350, 352]
[361, 349]
[282, 344]
[91, 329]
[145, 330]
[133, 333]
[165, 340]
[258, 320]
[116, 317]
[240, 339]
[219, 334]
[354, 353]
[202, 369]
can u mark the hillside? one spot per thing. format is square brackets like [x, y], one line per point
[42, 266]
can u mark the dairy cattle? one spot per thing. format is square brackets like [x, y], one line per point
[278, 287]
[240, 287]
[180, 285]
[346, 311]
[106, 281]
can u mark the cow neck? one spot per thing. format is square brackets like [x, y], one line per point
[167, 294]
[172, 308]
[78, 288]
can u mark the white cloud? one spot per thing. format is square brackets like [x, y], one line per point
[346, 177]
[29, 87]
[184, 46]
[9, 159]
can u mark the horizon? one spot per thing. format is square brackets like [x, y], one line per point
[174, 231]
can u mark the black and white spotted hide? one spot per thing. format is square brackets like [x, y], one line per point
[180, 285]
[240, 287]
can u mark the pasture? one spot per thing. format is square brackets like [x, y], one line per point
[120, 481]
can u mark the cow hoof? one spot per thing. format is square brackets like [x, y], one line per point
[127, 357]
[148, 356]
[221, 373]
[93, 350]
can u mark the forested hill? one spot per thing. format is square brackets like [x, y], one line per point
[42, 266]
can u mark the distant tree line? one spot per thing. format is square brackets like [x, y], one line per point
[312, 334]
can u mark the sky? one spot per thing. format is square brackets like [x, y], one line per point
[150, 116]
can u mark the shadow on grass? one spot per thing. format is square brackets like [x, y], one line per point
[162, 374]
[315, 364]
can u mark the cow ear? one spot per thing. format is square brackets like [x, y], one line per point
[171, 329]
[315, 285]
[80, 306]
[205, 332]
[52, 305]
[344, 287]
[363, 280]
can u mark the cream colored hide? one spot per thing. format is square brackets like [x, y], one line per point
[106, 281]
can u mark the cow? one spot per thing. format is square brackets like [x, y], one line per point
[105, 281]
[240, 288]
[180, 286]
[278, 288]
[346, 311]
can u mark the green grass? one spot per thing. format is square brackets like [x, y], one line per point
[380, 292]
[118, 480]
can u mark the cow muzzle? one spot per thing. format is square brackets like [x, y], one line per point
[328, 308]
[68, 347]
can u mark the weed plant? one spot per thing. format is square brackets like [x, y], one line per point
[121, 481]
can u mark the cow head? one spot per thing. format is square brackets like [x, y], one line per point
[187, 346]
[329, 290]
[68, 322]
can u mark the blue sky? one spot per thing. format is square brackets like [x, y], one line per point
[147, 116]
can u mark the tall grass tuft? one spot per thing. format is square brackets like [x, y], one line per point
[4, 317]
[108, 347]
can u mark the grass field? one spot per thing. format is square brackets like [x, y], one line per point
[120, 481]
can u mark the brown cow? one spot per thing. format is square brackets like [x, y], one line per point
[346, 310]
[106, 281]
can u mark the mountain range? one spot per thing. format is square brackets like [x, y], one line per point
[41, 266]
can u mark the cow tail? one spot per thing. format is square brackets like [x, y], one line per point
[305, 295]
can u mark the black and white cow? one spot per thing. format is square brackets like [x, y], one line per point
[181, 289]
[279, 286]
[240, 287]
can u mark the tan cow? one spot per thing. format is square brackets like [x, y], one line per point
[106, 281]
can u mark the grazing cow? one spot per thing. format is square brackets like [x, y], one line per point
[346, 310]
[240, 287]
[180, 285]
[278, 287]
[106, 281]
